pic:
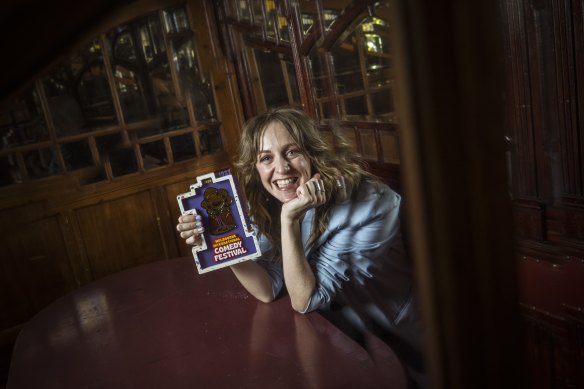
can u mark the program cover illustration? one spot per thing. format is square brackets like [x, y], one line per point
[228, 237]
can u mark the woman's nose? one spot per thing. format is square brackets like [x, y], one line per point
[282, 165]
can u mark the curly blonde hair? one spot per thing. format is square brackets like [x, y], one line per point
[331, 161]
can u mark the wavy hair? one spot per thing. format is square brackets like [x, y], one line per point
[332, 161]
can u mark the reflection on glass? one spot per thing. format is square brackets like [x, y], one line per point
[272, 78]
[307, 23]
[75, 104]
[382, 103]
[258, 15]
[122, 161]
[356, 106]
[172, 114]
[153, 154]
[378, 64]
[347, 65]
[363, 70]
[210, 141]
[142, 71]
[317, 62]
[23, 122]
[320, 84]
[108, 144]
[78, 92]
[183, 147]
[132, 100]
[293, 83]
[41, 163]
[243, 11]
[190, 79]
[113, 150]
[308, 14]
[151, 38]
[332, 9]
[176, 20]
[271, 19]
[283, 29]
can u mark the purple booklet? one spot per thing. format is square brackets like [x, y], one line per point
[228, 238]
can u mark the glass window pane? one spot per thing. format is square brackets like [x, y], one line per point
[176, 20]
[377, 48]
[153, 154]
[132, 100]
[332, 9]
[258, 16]
[78, 92]
[142, 73]
[356, 106]
[77, 155]
[108, 143]
[293, 83]
[318, 67]
[210, 141]
[382, 103]
[9, 172]
[283, 28]
[271, 19]
[183, 147]
[150, 36]
[23, 122]
[41, 163]
[347, 65]
[272, 79]
[243, 10]
[308, 13]
[190, 79]
[123, 161]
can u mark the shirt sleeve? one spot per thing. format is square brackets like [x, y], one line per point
[272, 266]
[357, 241]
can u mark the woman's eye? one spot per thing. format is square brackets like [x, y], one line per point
[293, 152]
[265, 158]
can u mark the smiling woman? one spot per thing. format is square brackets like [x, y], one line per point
[329, 233]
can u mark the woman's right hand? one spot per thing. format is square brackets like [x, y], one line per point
[191, 229]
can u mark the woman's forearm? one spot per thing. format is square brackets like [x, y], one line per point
[298, 275]
[255, 280]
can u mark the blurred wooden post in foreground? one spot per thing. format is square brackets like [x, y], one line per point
[451, 83]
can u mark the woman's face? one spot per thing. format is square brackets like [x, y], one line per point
[281, 164]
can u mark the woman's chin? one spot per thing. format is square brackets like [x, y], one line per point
[284, 198]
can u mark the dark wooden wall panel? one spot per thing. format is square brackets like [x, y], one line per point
[35, 267]
[545, 94]
[110, 248]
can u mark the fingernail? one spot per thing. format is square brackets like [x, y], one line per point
[198, 224]
[200, 230]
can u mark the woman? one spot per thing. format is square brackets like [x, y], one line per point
[329, 231]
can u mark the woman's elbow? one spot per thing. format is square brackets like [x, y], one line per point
[300, 307]
[265, 298]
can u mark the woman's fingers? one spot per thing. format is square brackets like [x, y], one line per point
[190, 228]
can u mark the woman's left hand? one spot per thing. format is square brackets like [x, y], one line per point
[309, 195]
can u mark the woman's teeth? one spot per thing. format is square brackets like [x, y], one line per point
[286, 182]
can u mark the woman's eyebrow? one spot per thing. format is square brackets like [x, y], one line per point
[286, 146]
